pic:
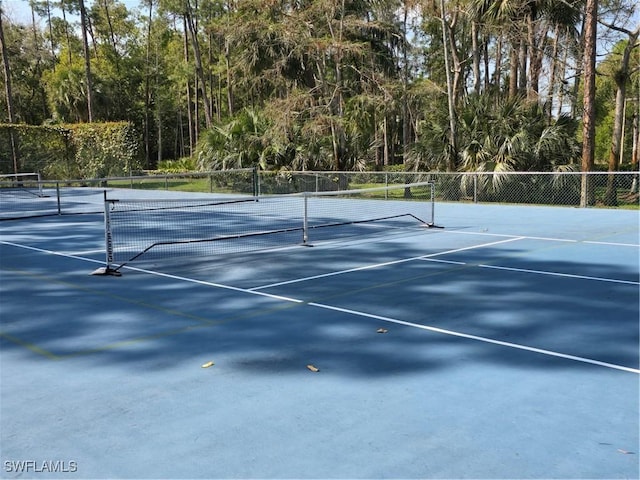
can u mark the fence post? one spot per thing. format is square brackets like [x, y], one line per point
[475, 188]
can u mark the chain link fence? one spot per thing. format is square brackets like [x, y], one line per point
[562, 189]
[604, 190]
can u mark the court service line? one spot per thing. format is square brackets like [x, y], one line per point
[613, 244]
[383, 264]
[557, 274]
[453, 333]
[525, 237]
[546, 239]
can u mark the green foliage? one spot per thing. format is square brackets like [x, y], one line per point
[235, 144]
[104, 149]
[181, 165]
[78, 151]
[45, 149]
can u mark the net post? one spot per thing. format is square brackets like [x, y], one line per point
[256, 182]
[432, 222]
[433, 204]
[40, 189]
[305, 221]
[108, 239]
[58, 198]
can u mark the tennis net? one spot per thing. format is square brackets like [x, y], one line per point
[21, 184]
[144, 229]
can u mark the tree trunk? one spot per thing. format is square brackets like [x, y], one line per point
[553, 72]
[66, 32]
[198, 63]
[579, 68]
[588, 113]
[497, 74]
[486, 62]
[190, 120]
[450, 93]
[50, 27]
[87, 61]
[38, 65]
[522, 66]
[634, 152]
[476, 56]
[563, 83]
[621, 77]
[513, 69]
[406, 125]
[112, 36]
[147, 93]
[9, 96]
[537, 41]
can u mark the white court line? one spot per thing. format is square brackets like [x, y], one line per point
[557, 274]
[384, 264]
[509, 238]
[439, 260]
[357, 313]
[51, 252]
[614, 244]
[487, 234]
[539, 272]
[478, 338]
[212, 284]
[548, 239]
[159, 274]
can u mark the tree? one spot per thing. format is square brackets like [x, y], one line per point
[621, 77]
[9, 95]
[87, 59]
[588, 109]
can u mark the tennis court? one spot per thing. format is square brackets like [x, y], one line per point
[503, 345]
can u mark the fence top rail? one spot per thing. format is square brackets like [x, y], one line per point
[347, 172]
[148, 177]
[394, 186]
[326, 172]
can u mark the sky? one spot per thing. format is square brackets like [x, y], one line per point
[18, 10]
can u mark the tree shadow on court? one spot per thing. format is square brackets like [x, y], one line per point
[435, 311]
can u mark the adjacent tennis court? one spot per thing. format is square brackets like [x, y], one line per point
[270, 338]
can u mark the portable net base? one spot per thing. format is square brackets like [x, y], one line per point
[160, 229]
[107, 271]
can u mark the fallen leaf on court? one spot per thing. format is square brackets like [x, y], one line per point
[208, 364]
[382, 330]
[313, 368]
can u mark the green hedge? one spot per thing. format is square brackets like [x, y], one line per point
[79, 151]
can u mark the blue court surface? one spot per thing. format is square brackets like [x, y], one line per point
[502, 346]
